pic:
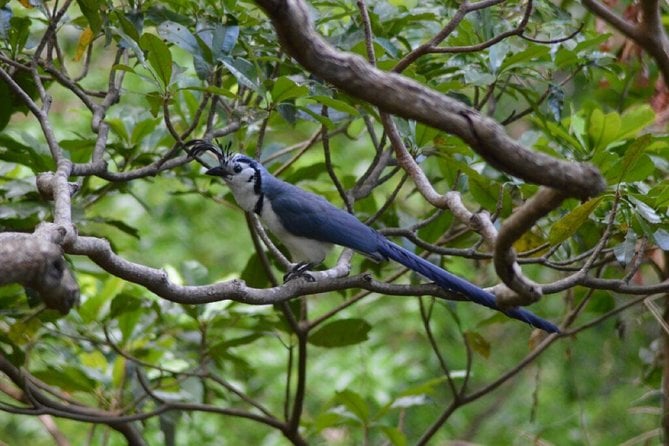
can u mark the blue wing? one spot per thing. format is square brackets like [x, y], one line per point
[307, 215]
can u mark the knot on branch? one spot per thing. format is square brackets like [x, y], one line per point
[507, 297]
[45, 185]
[38, 265]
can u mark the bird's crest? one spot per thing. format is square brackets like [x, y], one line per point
[199, 147]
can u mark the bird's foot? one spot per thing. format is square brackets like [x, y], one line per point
[299, 270]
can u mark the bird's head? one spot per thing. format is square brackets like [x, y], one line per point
[242, 174]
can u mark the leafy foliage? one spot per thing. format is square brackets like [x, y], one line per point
[379, 369]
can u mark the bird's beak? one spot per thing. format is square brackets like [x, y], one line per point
[219, 171]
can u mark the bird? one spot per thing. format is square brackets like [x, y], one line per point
[308, 226]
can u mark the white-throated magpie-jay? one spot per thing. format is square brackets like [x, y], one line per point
[308, 226]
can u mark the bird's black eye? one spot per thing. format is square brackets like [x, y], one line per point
[237, 168]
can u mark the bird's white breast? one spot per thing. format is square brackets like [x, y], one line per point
[244, 195]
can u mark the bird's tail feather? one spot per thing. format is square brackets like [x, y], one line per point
[451, 282]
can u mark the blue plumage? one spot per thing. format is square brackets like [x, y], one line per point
[310, 216]
[308, 225]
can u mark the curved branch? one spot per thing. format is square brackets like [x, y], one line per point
[504, 257]
[404, 97]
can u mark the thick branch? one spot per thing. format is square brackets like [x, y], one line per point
[39, 265]
[404, 97]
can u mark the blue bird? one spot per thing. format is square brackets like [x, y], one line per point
[308, 226]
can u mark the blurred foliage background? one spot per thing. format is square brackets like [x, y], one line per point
[372, 375]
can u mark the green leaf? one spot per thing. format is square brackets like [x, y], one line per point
[92, 307]
[7, 109]
[634, 120]
[354, 403]
[123, 303]
[556, 131]
[602, 301]
[143, 128]
[122, 67]
[159, 56]
[117, 126]
[317, 117]
[212, 89]
[128, 27]
[80, 150]
[93, 359]
[284, 89]
[325, 420]
[647, 212]
[68, 378]
[91, 10]
[618, 171]
[569, 224]
[336, 104]
[16, 152]
[485, 191]
[592, 43]
[220, 350]
[341, 333]
[243, 70]
[395, 436]
[127, 323]
[603, 129]
[180, 36]
[24, 332]
[662, 239]
[155, 101]
[306, 173]
[425, 134]
[119, 371]
[118, 224]
[625, 250]
[224, 39]
[431, 386]
[254, 273]
[524, 57]
[19, 33]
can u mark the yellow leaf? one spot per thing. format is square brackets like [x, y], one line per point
[530, 241]
[478, 343]
[26, 4]
[85, 40]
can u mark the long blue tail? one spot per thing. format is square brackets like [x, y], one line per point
[451, 282]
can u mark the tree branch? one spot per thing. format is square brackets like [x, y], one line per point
[404, 97]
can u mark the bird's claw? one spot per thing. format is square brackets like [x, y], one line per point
[300, 270]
